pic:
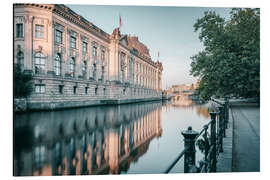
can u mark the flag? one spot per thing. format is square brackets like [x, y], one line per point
[158, 55]
[120, 21]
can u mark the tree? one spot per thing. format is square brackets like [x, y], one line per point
[22, 82]
[230, 61]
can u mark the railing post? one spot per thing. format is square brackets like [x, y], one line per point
[224, 119]
[220, 128]
[226, 105]
[189, 139]
[213, 155]
[206, 142]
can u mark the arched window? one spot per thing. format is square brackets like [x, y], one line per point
[20, 59]
[39, 63]
[57, 65]
[72, 67]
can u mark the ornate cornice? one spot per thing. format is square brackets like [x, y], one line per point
[73, 17]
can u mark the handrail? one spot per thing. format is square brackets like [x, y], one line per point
[218, 123]
[175, 161]
[217, 101]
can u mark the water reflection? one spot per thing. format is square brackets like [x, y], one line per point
[184, 101]
[96, 140]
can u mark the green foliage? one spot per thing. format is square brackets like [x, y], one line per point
[230, 61]
[22, 83]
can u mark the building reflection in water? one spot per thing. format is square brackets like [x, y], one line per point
[95, 140]
[184, 101]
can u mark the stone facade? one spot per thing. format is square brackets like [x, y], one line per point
[75, 63]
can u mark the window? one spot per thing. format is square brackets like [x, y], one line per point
[94, 71]
[74, 89]
[20, 58]
[84, 46]
[72, 67]
[58, 36]
[94, 51]
[84, 67]
[86, 90]
[39, 31]
[61, 87]
[19, 30]
[102, 55]
[102, 72]
[39, 63]
[104, 91]
[57, 65]
[72, 42]
[40, 88]
[39, 156]
[96, 90]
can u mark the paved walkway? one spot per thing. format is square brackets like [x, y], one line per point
[246, 139]
[242, 143]
[224, 163]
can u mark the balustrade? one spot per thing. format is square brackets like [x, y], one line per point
[211, 143]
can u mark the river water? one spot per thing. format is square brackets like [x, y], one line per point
[138, 138]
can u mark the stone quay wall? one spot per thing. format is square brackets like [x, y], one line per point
[97, 93]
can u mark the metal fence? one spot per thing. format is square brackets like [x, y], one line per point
[209, 141]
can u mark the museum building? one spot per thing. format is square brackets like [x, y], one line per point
[75, 63]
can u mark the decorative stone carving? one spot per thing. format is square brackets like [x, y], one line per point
[116, 34]
[39, 48]
[72, 33]
[59, 26]
[84, 39]
[26, 18]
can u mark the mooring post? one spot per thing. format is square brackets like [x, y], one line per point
[213, 142]
[189, 139]
[220, 127]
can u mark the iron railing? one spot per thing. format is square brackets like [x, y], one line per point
[211, 143]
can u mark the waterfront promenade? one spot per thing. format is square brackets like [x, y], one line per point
[242, 144]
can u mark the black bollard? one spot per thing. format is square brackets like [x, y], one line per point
[189, 139]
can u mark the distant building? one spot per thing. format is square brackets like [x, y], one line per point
[176, 89]
[75, 63]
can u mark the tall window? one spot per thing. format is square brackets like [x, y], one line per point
[72, 66]
[58, 36]
[84, 68]
[20, 59]
[19, 30]
[94, 70]
[84, 47]
[39, 63]
[39, 31]
[102, 55]
[72, 42]
[57, 65]
[94, 51]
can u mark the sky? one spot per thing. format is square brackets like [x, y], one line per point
[168, 30]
